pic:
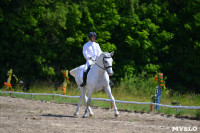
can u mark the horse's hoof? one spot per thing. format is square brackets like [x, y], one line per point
[76, 115]
[85, 116]
[116, 115]
[91, 115]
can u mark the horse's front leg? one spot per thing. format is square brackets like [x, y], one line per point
[88, 104]
[83, 93]
[89, 109]
[108, 91]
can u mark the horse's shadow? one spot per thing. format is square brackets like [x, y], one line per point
[59, 116]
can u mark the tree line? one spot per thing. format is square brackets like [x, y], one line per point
[39, 38]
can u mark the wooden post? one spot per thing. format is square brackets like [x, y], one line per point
[10, 94]
[53, 97]
[31, 96]
[151, 107]
[111, 105]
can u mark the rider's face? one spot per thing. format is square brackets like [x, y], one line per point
[93, 38]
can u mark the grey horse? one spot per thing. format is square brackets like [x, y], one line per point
[98, 79]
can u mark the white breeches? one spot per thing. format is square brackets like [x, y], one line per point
[88, 63]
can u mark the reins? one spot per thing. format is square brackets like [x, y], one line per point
[104, 66]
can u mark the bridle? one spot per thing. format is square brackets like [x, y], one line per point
[103, 63]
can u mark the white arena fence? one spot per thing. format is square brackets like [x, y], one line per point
[107, 100]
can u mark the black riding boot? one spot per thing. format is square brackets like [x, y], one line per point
[85, 77]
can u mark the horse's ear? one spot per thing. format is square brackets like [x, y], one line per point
[112, 53]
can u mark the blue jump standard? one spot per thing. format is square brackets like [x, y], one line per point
[158, 96]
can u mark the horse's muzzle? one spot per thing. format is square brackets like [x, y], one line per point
[110, 74]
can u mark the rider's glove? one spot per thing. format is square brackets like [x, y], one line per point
[92, 59]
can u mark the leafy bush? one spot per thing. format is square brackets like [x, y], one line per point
[141, 84]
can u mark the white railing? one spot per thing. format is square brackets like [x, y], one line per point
[108, 100]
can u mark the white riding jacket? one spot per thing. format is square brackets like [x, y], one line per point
[91, 50]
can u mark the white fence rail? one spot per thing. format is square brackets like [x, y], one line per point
[108, 100]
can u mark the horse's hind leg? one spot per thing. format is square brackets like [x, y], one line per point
[83, 93]
[108, 91]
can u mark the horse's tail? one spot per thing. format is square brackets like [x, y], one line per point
[73, 71]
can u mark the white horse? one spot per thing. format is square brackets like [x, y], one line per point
[97, 79]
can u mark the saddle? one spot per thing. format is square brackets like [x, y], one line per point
[85, 77]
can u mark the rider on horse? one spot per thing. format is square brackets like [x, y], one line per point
[91, 51]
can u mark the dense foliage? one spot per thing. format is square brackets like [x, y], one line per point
[39, 38]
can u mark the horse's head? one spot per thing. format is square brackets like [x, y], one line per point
[107, 62]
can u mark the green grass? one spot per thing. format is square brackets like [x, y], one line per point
[138, 88]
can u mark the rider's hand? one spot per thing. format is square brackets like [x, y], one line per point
[91, 59]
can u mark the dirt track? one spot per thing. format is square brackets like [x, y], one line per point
[28, 116]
